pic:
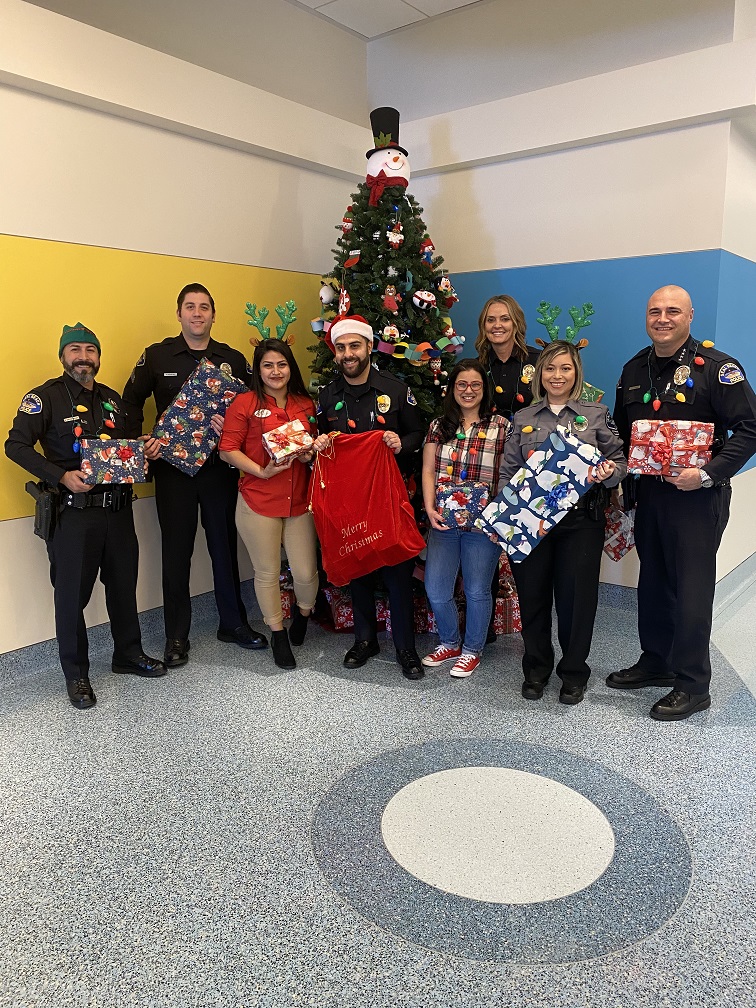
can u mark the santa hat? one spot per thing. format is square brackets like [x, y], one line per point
[349, 325]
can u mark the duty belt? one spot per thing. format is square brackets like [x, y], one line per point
[114, 500]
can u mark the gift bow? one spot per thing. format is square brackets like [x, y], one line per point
[282, 440]
[377, 183]
[556, 494]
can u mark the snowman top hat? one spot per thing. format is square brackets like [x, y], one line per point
[384, 123]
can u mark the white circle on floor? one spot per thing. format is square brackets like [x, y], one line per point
[497, 835]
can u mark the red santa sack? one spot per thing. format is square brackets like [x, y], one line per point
[359, 502]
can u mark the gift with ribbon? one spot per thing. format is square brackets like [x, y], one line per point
[112, 461]
[662, 447]
[540, 494]
[287, 441]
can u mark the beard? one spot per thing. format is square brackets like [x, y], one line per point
[355, 368]
[83, 372]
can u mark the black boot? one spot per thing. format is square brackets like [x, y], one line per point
[282, 655]
[298, 628]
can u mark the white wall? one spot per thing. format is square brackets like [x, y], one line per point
[739, 225]
[273, 45]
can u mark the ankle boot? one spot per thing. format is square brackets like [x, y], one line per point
[298, 628]
[282, 655]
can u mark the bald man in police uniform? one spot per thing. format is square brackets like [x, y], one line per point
[680, 518]
[95, 528]
[364, 399]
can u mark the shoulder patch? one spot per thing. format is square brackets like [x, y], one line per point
[410, 398]
[249, 367]
[30, 404]
[730, 374]
[611, 424]
[140, 362]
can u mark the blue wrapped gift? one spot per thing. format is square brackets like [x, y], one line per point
[541, 493]
[184, 429]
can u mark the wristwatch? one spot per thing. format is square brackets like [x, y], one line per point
[706, 481]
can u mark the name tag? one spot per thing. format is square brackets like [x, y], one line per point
[170, 374]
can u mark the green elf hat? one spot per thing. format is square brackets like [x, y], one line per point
[78, 334]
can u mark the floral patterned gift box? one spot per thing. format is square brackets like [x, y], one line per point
[113, 461]
[287, 441]
[541, 493]
[184, 430]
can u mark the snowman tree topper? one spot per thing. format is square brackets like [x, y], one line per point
[388, 164]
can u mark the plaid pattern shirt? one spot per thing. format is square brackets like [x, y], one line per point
[478, 454]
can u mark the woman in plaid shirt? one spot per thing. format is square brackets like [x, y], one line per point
[461, 461]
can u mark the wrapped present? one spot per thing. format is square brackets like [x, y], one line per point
[619, 535]
[287, 602]
[184, 429]
[661, 447]
[459, 504]
[287, 441]
[506, 616]
[541, 493]
[590, 393]
[113, 461]
[340, 603]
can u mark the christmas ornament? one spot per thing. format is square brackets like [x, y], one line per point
[424, 299]
[447, 292]
[388, 163]
[427, 248]
[436, 371]
[352, 259]
[391, 333]
[344, 301]
[395, 235]
[391, 299]
[327, 295]
[348, 222]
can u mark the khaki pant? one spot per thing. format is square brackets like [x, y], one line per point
[263, 538]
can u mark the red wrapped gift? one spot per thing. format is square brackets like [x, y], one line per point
[619, 535]
[287, 602]
[661, 447]
[287, 441]
[507, 615]
[340, 603]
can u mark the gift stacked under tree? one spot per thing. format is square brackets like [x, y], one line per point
[184, 429]
[661, 447]
[540, 493]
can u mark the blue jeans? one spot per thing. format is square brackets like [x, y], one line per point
[478, 557]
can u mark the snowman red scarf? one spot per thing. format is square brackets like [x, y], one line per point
[377, 183]
[359, 502]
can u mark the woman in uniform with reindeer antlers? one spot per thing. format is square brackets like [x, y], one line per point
[271, 510]
[564, 566]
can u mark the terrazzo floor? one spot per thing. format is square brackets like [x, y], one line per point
[215, 838]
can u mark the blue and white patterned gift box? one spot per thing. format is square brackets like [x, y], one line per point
[184, 430]
[541, 493]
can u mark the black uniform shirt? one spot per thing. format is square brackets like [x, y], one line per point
[382, 395]
[507, 375]
[48, 415]
[164, 367]
[720, 395]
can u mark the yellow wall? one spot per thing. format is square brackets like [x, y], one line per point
[129, 300]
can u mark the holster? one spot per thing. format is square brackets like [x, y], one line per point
[45, 509]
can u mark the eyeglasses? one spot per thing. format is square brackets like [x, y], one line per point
[463, 386]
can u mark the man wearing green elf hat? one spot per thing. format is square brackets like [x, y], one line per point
[94, 527]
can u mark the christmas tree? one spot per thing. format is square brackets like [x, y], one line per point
[385, 270]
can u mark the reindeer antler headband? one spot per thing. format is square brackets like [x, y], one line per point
[581, 318]
[257, 319]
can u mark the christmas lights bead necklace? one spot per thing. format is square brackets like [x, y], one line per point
[107, 409]
[681, 378]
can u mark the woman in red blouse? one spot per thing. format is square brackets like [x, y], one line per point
[272, 505]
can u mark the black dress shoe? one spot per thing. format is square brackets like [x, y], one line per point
[571, 694]
[637, 677]
[150, 668]
[533, 690]
[282, 654]
[298, 628]
[677, 705]
[359, 653]
[411, 665]
[176, 653]
[245, 637]
[80, 693]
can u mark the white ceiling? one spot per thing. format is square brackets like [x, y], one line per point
[371, 18]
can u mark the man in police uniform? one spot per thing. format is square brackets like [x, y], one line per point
[95, 527]
[681, 518]
[365, 399]
[161, 371]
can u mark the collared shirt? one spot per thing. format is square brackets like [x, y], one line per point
[720, 394]
[477, 453]
[164, 367]
[48, 415]
[380, 395]
[600, 432]
[507, 376]
[283, 495]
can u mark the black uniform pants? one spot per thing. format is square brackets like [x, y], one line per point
[398, 582]
[564, 567]
[178, 497]
[677, 535]
[87, 541]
